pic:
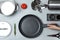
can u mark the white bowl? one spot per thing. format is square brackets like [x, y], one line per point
[8, 8]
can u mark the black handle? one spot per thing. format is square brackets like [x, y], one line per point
[45, 25]
[55, 35]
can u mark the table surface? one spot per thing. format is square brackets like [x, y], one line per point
[15, 18]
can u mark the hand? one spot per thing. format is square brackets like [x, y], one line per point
[53, 27]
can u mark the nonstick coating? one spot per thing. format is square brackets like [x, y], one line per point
[30, 26]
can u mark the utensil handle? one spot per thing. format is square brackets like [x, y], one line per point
[45, 25]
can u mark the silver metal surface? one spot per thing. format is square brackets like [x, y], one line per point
[54, 4]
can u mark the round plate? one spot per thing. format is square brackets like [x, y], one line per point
[5, 29]
[30, 26]
[8, 8]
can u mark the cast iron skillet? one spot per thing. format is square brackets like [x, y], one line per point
[31, 26]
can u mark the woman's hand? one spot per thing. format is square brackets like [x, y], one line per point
[53, 27]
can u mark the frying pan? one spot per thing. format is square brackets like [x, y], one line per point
[31, 26]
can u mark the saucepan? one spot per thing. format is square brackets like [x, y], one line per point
[8, 7]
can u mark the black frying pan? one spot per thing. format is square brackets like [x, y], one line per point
[31, 26]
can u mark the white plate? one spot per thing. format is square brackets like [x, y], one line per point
[5, 29]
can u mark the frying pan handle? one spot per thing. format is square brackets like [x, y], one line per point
[45, 25]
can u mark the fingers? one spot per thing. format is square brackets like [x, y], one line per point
[51, 26]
